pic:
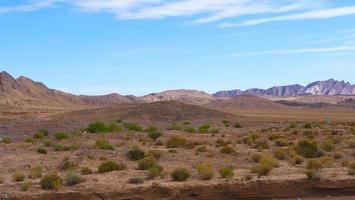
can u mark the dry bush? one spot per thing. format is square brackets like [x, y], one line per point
[51, 181]
[176, 142]
[205, 170]
[180, 174]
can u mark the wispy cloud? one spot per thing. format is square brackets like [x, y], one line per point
[28, 7]
[335, 49]
[318, 14]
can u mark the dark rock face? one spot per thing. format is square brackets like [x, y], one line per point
[329, 87]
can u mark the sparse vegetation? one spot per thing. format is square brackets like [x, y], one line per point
[136, 181]
[237, 125]
[102, 143]
[265, 165]
[154, 172]
[35, 172]
[351, 168]
[227, 150]
[133, 127]
[7, 140]
[313, 169]
[41, 151]
[204, 128]
[26, 185]
[61, 136]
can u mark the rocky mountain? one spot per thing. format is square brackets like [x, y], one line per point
[184, 96]
[108, 99]
[327, 88]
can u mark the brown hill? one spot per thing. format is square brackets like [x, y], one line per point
[193, 97]
[24, 92]
[108, 99]
[244, 102]
[163, 112]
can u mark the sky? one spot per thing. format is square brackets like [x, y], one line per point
[142, 46]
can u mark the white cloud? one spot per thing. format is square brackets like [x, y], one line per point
[318, 14]
[335, 49]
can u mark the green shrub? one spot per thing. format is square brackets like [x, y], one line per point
[227, 150]
[18, 176]
[41, 151]
[190, 130]
[136, 181]
[35, 172]
[43, 131]
[351, 168]
[154, 135]
[135, 154]
[86, 171]
[72, 178]
[109, 166]
[308, 126]
[61, 136]
[214, 130]
[98, 127]
[133, 127]
[205, 170]
[29, 140]
[226, 172]
[204, 128]
[6, 140]
[26, 185]
[102, 143]
[47, 143]
[39, 136]
[226, 123]
[307, 149]
[154, 172]
[237, 125]
[174, 127]
[180, 174]
[292, 125]
[176, 142]
[146, 163]
[51, 181]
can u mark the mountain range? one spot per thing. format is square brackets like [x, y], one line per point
[24, 92]
[329, 87]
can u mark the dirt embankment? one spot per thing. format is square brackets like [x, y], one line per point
[222, 191]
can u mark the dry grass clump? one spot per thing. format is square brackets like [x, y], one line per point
[35, 172]
[351, 168]
[26, 185]
[18, 176]
[146, 163]
[176, 142]
[227, 150]
[133, 127]
[154, 172]
[297, 160]
[226, 172]
[313, 169]
[280, 154]
[265, 165]
[221, 143]
[67, 164]
[205, 170]
[61, 136]
[261, 143]
[51, 181]
[109, 166]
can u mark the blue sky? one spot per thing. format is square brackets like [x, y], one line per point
[143, 46]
